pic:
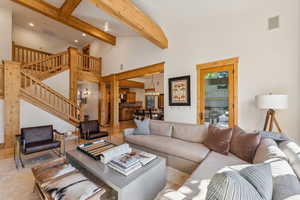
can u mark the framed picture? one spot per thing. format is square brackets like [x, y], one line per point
[180, 91]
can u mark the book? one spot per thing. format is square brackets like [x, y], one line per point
[145, 157]
[125, 161]
[125, 172]
[114, 152]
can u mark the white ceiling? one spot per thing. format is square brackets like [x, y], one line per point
[86, 11]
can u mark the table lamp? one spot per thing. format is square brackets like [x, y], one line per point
[271, 102]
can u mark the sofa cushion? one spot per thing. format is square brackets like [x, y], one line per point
[37, 134]
[196, 186]
[91, 126]
[142, 127]
[213, 163]
[218, 139]
[41, 146]
[191, 151]
[190, 132]
[243, 144]
[286, 185]
[266, 150]
[161, 128]
[292, 150]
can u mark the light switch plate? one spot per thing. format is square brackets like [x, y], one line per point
[274, 22]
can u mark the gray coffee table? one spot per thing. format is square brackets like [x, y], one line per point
[143, 184]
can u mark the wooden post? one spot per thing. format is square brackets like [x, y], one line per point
[12, 84]
[100, 66]
[114, 102]
[73, 62]
[103, 110]
[13, 54]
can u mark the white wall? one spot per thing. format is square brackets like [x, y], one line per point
[91, 108]
[37, 40]
[60, 83]
[5, 33]
[33, 116]
[210, 30]
[5, 53]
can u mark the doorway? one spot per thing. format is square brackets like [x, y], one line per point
[217, 93]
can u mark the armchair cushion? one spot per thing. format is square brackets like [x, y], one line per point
[89, 127]
[37, 134]
[96, 135]
[40, 146]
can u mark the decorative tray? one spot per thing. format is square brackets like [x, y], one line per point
[95, 149]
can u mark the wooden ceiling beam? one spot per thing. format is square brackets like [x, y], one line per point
[54, 13]
[128, 12]
[68, 7]
[131, 84]
[140, 72]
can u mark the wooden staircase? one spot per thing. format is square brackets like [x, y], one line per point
[39, 94]
[22, 79]
[36, 92]
[48, 66]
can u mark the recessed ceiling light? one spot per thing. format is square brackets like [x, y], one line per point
[31, 24]
[83, 34]
[76, 41]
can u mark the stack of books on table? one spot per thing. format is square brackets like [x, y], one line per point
[130, 162]
[125, 164]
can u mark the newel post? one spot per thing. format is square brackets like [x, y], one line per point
[12, 85]
[73, 62]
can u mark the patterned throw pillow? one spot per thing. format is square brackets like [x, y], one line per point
[245, 182]
[143, 127]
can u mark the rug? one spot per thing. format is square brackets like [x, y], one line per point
[18, 184]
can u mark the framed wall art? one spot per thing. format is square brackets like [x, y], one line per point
[180, 91]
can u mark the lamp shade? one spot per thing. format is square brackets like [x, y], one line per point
[272, 101]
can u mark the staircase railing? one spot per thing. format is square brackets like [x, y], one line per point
[27, 55]
[89, 63]
[36, 89]
[48, 64]
[1, 81]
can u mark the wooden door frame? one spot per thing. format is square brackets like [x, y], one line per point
[218, 64]
[114, 80]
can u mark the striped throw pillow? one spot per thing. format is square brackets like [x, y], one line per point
[246, 182]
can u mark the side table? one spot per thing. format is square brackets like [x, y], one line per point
[69, 137]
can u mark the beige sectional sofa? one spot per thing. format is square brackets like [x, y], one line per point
[181, 144]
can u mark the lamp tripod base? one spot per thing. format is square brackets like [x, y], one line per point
[271, 120]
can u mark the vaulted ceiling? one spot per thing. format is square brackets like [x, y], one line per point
[86, 11]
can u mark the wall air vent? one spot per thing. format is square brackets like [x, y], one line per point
[274, 23]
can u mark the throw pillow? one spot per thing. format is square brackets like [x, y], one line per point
[242, 182]
[278, 137]
[218, 139]
[230, 185]
[143, 127]
[243, 144]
